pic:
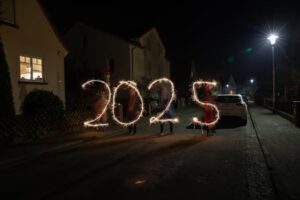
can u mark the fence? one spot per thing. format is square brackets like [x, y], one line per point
[33, 125]
[289, 110]
[283, 106]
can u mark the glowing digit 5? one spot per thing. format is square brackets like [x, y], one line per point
[158, 117]
[130, 84]
[90, 123]
[205, 104]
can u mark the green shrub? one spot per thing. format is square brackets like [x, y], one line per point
[42, 102]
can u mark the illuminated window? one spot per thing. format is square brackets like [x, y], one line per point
[31, 68]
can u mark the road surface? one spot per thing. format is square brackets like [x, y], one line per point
[185, 165]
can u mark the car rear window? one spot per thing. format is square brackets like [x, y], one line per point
[228, 99]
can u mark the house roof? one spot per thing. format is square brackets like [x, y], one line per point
[132, 41]
[155, 32]
[58, 36]
[135, 33]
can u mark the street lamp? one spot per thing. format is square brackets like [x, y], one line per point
[251, 80]
[272, 38]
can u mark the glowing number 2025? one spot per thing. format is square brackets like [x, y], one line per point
[132, 85]
[158, 117]
[90, 122]
[204, 104]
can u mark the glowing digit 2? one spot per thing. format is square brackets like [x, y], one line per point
[158, 117]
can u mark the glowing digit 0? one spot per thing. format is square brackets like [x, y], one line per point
[158, 117]
[89, 123]
[132, 85]
[205, 104]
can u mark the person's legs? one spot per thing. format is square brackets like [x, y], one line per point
[171, 127]
[134, 129]
[129, 129]
[207, 130]
[161, 128]
[103, 120]
[213, 129]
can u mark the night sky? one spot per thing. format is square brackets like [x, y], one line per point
[215, 35]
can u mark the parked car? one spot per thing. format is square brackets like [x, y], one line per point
[232, 105]
[245, 98]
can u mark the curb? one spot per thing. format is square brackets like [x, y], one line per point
[270, 162]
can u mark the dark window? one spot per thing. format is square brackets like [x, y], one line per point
[7, 11]
[149, 70]
[158, 50]
[228, 99]
[83, 42]
[149, 44]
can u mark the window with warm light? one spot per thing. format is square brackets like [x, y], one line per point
[31, 69]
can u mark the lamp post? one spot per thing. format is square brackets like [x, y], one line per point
[251, 88]
[272, 38]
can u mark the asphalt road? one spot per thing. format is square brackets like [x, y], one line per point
[185, 165]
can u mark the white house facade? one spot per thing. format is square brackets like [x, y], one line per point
[34, 53]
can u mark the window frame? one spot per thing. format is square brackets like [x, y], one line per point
[31, 80]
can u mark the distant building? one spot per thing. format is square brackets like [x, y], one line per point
[156, 64]
[34, 52]
[94, 53]
[230, 87]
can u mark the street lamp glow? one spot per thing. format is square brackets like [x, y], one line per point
[251, 80]
[272, 38]
[227, 85]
